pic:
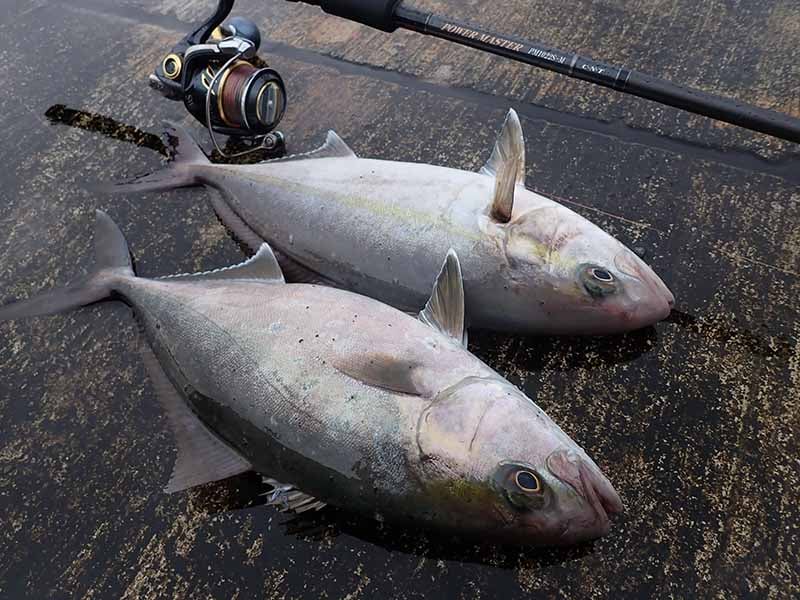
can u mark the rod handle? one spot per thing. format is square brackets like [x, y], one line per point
[375, 13]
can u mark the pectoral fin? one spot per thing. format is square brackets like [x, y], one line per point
[507, 166]
[202, 456]
[381, 371]
[445, 309]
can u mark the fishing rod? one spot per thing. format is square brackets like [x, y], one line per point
[389, 15]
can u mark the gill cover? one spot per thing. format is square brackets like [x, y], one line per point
[447, 433]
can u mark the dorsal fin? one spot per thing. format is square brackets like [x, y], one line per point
[202, 456]
[334, 147]
[262, 266]
[507, 166]
[445, 309]
[510, 143]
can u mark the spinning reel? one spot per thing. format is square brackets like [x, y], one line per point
[222, 82]
[216, 73]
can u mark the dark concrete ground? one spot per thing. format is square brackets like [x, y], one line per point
[696, 421]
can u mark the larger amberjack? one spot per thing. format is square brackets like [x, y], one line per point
[340, 399]
[380, 228]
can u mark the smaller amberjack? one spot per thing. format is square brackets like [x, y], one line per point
[380, 228]
[348, 401]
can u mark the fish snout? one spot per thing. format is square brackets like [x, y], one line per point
[650, 300]
[593, 501]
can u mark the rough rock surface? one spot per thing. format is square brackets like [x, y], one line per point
[696, 421]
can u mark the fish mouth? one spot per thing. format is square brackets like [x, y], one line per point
[659, 290]
[652, 308]
[601, 497]
[597, 492]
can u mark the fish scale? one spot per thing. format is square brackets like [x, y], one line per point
[230, 351]
[337, 399]
[380, 228]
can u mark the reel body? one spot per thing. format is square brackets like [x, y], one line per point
[216, 73]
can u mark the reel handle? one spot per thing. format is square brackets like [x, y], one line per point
[203, 32]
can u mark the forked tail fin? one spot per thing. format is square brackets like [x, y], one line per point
[112, 263]
[180, 172]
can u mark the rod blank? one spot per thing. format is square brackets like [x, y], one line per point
[630, 82]
[388, 15]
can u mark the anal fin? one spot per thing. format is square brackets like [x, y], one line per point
[202, 456]
[235, 224]
[292, 270]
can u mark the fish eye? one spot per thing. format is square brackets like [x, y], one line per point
[598, 281]
[528, 482]
[521, 486]
[602, 275]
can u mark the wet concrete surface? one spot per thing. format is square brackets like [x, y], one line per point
[696, 421]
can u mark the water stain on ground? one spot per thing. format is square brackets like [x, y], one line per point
[695, 420]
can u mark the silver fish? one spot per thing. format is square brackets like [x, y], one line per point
[339, 399]
[380, 228]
